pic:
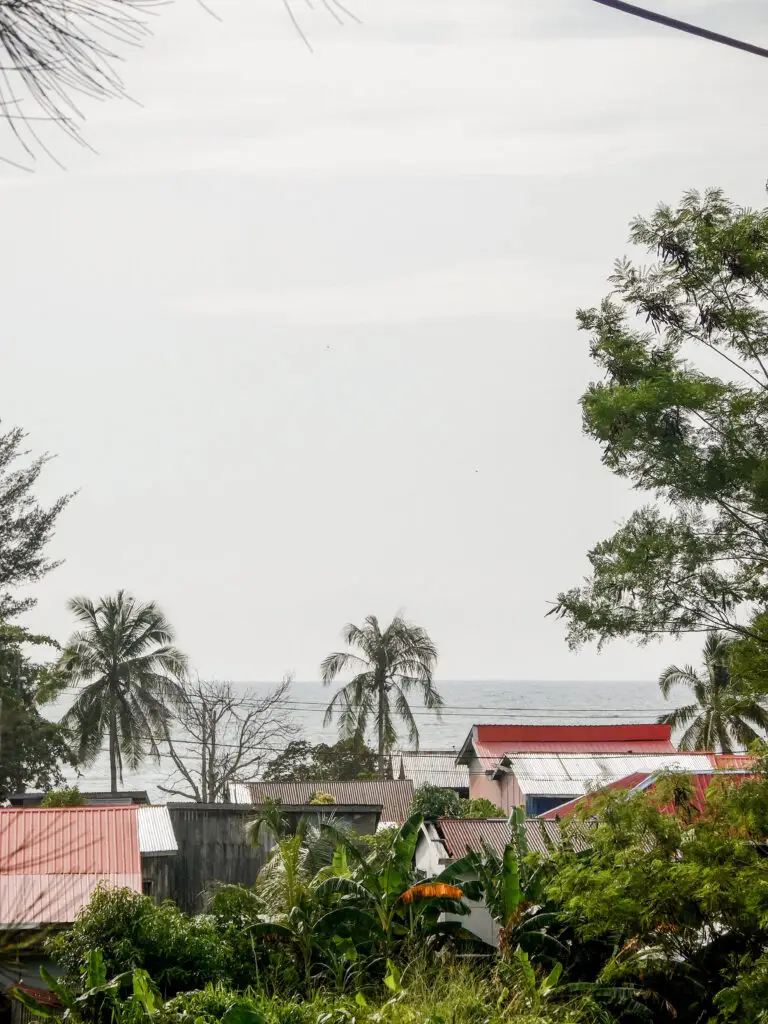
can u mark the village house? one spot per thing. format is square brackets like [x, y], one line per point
[486, 750]
[54, 858]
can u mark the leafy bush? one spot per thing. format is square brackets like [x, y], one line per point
[69, 796]
[435, 802]
[179, 952]
[480, 807]
[323, 798]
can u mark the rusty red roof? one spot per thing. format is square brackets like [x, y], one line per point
[394, 795]
[51, 860]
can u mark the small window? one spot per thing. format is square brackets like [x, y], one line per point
[146, 886]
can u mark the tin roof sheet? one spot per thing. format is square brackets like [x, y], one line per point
[394, 795]
[155, 830]
[462, 834]
[51, 860]
[437, 767]
[571, 775]
[490, 743]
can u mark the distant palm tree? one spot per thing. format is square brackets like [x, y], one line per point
[723, 712]
[390, 665]
[134, 676]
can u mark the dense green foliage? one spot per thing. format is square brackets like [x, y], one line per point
[726, 714]
[681, 412]
[26, 527]
[178, 951]
[433, 802]
[69, 796]
[33, 751]
[389, 666]
[125, 655]
[654, 909]
[338, 762]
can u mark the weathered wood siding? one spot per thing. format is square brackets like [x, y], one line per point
[156, 875]
[213, 848]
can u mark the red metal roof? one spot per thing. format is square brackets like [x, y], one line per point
[732, 761]
[51, 860]
[573, 733]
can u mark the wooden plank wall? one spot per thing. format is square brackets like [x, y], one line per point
[212, 848]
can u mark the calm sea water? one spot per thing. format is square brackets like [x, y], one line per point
[466, 703]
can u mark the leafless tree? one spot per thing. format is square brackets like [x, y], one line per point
[223, 736]
[54, 51]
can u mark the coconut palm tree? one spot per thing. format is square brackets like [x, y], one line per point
[723, 712]
[389, 666]
[134, 677]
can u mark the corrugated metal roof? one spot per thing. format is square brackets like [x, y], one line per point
[51, 860]
[490, 743]
[736, 761]
[394, 795]
[571, 775]
[462, 834]
[437, 767]
[155, 830]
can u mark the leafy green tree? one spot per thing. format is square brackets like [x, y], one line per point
[338, 762]
[133, 673]
[692, 438]
[26, 526]
[679, 912]
[480, 807]
[724, 712]
[33, 751]
[433, 802]
[390, 665]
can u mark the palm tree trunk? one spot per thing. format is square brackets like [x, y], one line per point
[113, 751]
[380, 724]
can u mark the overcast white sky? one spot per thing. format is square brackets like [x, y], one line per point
[302, 331]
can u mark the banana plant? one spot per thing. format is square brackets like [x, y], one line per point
[512, 888]
[96, 997]
[381, 900]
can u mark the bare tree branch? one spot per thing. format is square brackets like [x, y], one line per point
[227, 737]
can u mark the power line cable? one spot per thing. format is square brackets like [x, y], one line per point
[683, 26]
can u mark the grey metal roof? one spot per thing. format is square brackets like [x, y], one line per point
[155, 828]
[570, 775]
[394, 795]
[438, 767]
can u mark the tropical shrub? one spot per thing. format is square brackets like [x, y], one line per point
[69, 796]
[178, 951]
[480, 807]
[433, 802]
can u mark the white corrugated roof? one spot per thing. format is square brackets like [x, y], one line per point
[572, 775]
[156, 833]
[438, 767]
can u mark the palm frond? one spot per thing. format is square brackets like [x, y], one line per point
[673, 676]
